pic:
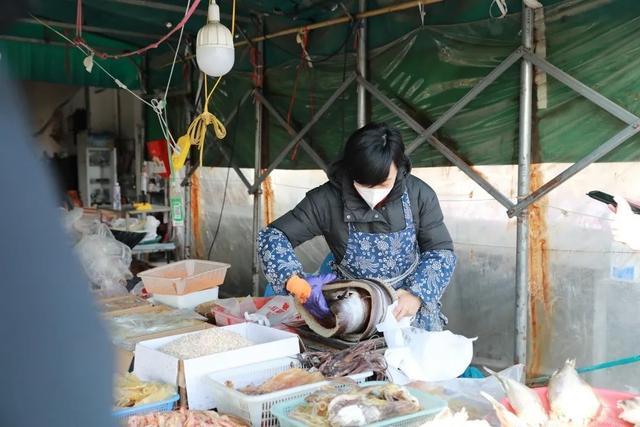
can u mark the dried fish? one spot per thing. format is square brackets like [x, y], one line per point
[505, 416]
[630, 410]
[354, 360]
[525, 402]
[185, 418]
[346, 406]
[293, 377]
[571, 399]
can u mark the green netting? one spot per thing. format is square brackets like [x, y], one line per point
[424, 69]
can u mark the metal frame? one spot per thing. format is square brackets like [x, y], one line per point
[525, 197]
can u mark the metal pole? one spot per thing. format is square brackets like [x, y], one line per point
[524, 161]
[257, 195]
[362, 65]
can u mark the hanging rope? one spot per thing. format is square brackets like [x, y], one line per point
[197, 131]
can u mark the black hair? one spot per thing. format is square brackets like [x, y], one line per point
[369, 152]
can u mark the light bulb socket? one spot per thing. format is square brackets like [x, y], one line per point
[213, 14]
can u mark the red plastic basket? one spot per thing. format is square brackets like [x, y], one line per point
[609, 399]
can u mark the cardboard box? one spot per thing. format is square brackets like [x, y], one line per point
[153, 365]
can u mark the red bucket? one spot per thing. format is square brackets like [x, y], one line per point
[157, 150]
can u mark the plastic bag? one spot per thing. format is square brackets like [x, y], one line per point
[276, 311]
[106, 261]
[236, 307]
[125, 329]
[414, 354]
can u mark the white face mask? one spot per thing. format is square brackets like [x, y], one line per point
[372, 196]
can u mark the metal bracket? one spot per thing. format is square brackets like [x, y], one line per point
[278, 116]
[438, 145]
[632, 121]
[466, 99]
[303, 132]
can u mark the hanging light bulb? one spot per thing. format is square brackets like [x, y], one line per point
[214, 45]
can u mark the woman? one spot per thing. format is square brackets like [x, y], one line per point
[379, 221]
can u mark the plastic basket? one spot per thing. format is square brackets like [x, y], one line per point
[257, 409]
[162, 406]
[184, 277]
[608, 398]
[430, 405]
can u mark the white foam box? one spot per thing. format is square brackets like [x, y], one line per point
[191, 300]
[150, 364]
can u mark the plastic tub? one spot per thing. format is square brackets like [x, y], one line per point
[257, 409]
[184, 277]
[162, 406]
[608, 398]
[430, 405]
[189, 300]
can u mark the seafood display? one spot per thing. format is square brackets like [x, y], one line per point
[293, 377]
[130, 391]
[630, 410]
[571, 399]
[185, 418]
[448, 418]
[524, 401]
[354, 360]
[344, 404]
[357, 306]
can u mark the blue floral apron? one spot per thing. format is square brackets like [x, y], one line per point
[391, 258]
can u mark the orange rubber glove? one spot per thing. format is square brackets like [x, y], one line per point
[299, 288]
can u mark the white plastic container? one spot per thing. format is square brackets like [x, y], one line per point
[257, 409]
[191, 300]
[184, 277]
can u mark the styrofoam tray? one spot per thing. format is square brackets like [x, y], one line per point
[191, 300]
[430, 405]
[257, 409]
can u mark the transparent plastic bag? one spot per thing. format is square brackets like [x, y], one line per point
[106, 261]
[125, 329]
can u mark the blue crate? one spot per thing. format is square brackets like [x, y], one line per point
[162, 406]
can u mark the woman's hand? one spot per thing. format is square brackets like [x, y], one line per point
[408, 304]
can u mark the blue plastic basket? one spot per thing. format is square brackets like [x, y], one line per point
[430, 405]
[162, 406]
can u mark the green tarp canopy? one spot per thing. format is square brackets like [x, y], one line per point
[425, 67]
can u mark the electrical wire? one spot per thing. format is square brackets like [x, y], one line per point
[325, 58]
[89, 54]
[104, 55]
[226, 184]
